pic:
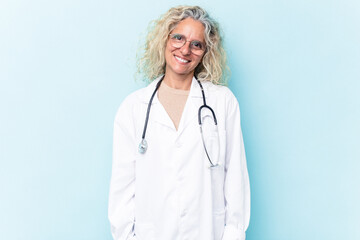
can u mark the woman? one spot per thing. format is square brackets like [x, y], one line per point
[169, 179]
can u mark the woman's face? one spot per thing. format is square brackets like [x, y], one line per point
[182, 61]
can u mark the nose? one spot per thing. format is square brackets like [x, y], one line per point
[185, 50]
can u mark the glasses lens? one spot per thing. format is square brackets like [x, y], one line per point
[178, 40]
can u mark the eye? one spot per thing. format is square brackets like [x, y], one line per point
[177, 37]
[196, 44]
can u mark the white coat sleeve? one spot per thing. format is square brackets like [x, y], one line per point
[236, 186]
[122, 185]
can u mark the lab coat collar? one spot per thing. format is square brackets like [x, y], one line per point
[195, 91]
[190, 110]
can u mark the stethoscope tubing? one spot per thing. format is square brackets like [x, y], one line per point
[143, 144]
[149, 106]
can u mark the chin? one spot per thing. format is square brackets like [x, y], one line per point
[183, 72]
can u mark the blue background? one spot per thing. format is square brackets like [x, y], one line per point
[65, 66]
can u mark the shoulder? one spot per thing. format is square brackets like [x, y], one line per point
[130, 102]
[137, 99]
[133, 98]
[220, 92]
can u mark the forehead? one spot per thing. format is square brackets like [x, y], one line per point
[191, 29]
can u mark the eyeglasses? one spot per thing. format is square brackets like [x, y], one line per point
[177, 41]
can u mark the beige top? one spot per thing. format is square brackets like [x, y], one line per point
[173, 100]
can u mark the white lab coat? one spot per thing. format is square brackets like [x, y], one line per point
[170, 193]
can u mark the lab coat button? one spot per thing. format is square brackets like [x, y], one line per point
[178, 145]
[183, 214]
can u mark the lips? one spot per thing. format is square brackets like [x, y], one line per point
[181, 60]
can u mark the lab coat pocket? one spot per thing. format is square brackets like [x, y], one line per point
[219, 224]
[211, 140]
[144, 231]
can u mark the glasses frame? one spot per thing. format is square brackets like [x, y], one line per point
[201, 51]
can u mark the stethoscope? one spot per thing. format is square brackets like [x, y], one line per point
[143, 144]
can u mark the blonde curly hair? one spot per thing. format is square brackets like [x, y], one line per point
[151, 58]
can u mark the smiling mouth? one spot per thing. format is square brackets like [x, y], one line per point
[181, 59]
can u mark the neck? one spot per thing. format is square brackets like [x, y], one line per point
[182, 82]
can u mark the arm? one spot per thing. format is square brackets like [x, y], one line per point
[122, 185]
[237, 187]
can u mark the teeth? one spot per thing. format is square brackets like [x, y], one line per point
[181, 60]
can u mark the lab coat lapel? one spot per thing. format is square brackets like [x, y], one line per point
[191, 109]
[192, 105]
[160, 115]
[157, 111]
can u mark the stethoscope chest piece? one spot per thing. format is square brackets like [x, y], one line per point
[143, 146]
